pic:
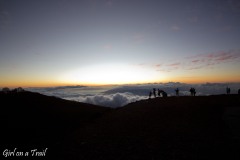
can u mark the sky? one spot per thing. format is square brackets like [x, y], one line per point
[102, 42]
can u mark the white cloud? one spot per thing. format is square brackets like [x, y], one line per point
[110, 100]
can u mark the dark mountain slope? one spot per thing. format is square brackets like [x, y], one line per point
[32, 118]
[162, 128]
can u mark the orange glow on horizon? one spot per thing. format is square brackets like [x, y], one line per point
[189, 80]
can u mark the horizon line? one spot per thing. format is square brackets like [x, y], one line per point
[101, 85]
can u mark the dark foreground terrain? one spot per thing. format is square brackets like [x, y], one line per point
[161, 128]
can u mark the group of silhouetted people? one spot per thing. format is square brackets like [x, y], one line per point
[159, 93]
[228, 91]
[193, 91]
[164, 94]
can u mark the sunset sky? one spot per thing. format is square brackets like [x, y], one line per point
[100, 42]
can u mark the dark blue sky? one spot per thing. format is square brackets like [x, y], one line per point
[118, 41]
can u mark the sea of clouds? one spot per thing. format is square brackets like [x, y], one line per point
[118, 96]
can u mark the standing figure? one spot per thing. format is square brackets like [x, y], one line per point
[150, 94]
[154, 92]
[177, 92]
[159, 92]
[164, 94]
[191, 91]
[239, 91]
[228, 90]
[194, 92]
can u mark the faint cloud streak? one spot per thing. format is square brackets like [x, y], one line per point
[175, 28]
[227, 28]
[109, 3]
[200, 61]
[174, 64]
[139, 38]
[107, 46]
[4, 19]
[211, 59]
[194, 19]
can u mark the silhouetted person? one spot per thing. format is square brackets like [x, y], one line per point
[154, 92]
[191, 91]
[159, 92]
[164, 94]
[228, 90]
[177, 92]
[150, 95]
[194, 92]
[239, 91]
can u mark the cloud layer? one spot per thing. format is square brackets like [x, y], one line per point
[121, 95]
[110, 100]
